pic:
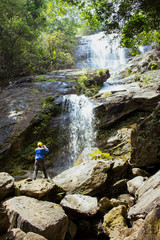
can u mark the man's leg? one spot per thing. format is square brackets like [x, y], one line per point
[43, 168]
[35, 170]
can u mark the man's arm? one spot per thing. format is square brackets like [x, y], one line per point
[46, 149]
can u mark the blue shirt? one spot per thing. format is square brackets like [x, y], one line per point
[40, 152]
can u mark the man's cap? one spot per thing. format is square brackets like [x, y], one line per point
[39, 144]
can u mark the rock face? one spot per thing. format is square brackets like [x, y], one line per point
[150, 228]
[18, 234]
[4, 222]
[87, 178]
[81, 205]
[115, 221]
[6, 185]
[25, 118]
[119, 105]
[145, 140]
[148, 197]
[134, 184]
[42, 189]
[45, 218]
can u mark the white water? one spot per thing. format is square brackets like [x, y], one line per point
[81, 125]
[100, 51]
[95, 51]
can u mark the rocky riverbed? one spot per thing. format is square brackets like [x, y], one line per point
[112, 191]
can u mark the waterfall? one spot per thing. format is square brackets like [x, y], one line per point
[81, 132]
[100, 51]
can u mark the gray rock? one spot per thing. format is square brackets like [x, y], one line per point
[118, 187]
[145, 140]
[42, 189]
[117, 202]
[127, 198]
[14, 234]
[88, 178]
[45, 218]
[104, 205]
[120, 168]
[152, 183]
[147, 198]
[139, 172]
[4, 221]
[134, 184]
[119, 143]
[33, 236]
[79, 204]
[18, 234]
[118, 105]
[115, 221]
[150, 228]
[6, 185]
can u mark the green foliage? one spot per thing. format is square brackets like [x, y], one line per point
[128, 72]
[97, 154]
[88, 84]
[20, 22]
[54, 51]
[39, 79]
[83, 80]
[138, 20]
[35, 36]
[154, 66]
[106, 94]
[101, 72]
[143, 32]
[47, 101]
[34, 90]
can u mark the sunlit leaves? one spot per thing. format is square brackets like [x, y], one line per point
[137, 20]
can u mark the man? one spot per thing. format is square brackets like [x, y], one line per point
[39, 159]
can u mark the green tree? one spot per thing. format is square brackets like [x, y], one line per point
[35, 36]
[137, 20]
[20, 21]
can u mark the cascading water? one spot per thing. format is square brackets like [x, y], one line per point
[96, 52]
[100, 51]
[80, 125]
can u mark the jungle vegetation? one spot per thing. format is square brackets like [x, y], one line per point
[137, 21]
[38, 36]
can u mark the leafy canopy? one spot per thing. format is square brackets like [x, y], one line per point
[137, 20]
[36, 36]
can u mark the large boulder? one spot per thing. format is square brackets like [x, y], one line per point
[84, 206]
[131, 233]
[118, 105]
[145, 139]
[119, 143]
[143, 62]
[150, 228]
[147, 197]
[45, 218]
[6, 185]
[88, 178]
[18, 234]
[135, 183]
[4, 221]
[42, 189]
[115, 221]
